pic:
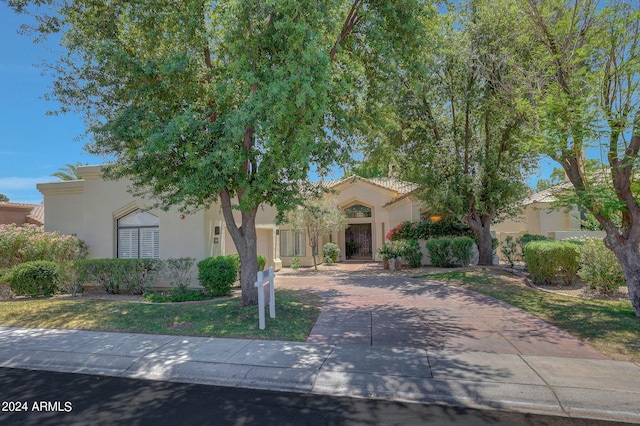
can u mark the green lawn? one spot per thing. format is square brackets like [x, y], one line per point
[609, 326]
[296, 312]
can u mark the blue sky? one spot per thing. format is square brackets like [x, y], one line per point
[32, 144]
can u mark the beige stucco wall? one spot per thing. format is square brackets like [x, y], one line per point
[557, 219]
[91, 207]
[382, 219]
[540, 219]
[63, 203]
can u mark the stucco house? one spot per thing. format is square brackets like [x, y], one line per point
[21, 214]
[115, 224]
[541, 216]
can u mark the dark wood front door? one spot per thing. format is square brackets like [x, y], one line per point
[358, 241]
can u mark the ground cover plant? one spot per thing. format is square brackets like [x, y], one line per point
[609, 326]
[296, 312]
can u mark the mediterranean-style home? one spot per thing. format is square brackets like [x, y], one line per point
[21, 214]
[115, 224]
[541, 216]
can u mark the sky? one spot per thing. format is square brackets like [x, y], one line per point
[34, 145]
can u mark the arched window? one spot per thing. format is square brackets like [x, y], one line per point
[139, 236]
[357, 211]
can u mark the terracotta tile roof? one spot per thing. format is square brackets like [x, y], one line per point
[401, 188]
[392, 184]
[548, 195]
[20, 206]
[36, 216]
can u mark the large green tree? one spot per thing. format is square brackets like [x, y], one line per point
[585, 69]
[231, 102]
[461, 118]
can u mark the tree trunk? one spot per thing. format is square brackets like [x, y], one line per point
[482, 228]
[246, 241]
[249, 267]
[629, 257]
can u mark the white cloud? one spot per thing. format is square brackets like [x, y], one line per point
[23, 189]
[20, 183]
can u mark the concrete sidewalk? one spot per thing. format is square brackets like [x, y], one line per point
[576, 387]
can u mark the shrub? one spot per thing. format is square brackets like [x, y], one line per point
[262, 262]
[388, 251]
[178, 271]
[217, 274]
[426, 229]
[37, 278]
[179, 294]
[120, 275]
[330, 253]
[29, 243]
[410, 251]
[546, 259]
[70, 281]
[440, 252]
[600, 269]
[509, 247]
[462, 250]
[295, 263]
[527, 238]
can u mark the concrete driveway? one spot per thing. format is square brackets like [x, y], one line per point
[365, 305]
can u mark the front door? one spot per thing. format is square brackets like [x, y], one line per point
[358, 241]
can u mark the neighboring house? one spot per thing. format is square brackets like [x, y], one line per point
[114, 224]
[21, 214]
[540, 216]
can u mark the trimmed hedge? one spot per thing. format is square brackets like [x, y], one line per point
[440, 252]
[547, 259]
[217, 274]
[37, 278]
[426, 230]
[450, 252]
[120, 275]
[462, 250]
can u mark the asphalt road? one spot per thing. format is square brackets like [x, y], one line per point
[49, 398]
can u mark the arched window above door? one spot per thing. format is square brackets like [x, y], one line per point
[357, 211]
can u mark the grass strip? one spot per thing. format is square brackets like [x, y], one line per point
[609, 326]
[296, 312]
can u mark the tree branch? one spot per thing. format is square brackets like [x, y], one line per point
[347, 27]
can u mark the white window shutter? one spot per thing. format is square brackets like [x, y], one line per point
[128, 243]
[150, 243]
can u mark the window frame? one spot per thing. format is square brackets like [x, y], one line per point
[299, 240]
[138, 230]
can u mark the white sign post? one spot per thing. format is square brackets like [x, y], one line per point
[266, 294]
